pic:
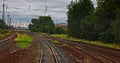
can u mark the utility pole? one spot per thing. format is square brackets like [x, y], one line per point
[119, 37]
[15, 25]
[10, 22]
[8, 16]
[3, 12]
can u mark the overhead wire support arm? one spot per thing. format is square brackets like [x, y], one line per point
[45, 7]
[29, 7]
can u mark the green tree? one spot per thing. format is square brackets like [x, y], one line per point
[42, 24]
[106, 37]
[59, 30]
[78, 11]
[106, 12]
[48, 29]
[115, 29]
[87, 27]
[32, 28]
[3, 25]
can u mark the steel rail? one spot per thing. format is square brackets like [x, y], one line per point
[54, 53]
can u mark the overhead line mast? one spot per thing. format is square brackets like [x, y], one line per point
[3, 11]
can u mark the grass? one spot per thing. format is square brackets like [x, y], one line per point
[56, 42]
[86, 41]
[23, 40]
[2, 35]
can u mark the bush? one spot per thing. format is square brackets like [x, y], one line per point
[48, 29]
[106, 37]
[59, 30]
[23, 40]
[3, 25]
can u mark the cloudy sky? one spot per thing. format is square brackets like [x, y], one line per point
[22, 11]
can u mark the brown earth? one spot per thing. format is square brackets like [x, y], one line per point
[14, 54]
[79, 56]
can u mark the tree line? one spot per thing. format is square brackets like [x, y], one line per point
[100, 23]
[45, 24]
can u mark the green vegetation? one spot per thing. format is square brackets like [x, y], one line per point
[116, 46]
[56, 42]
[3, 29]
[3, 26]
[78, 10]
[86, 22]
[59, 30]
[99, 24]
[44, 24]
[2, 35]
[59, 35]
[23, 40]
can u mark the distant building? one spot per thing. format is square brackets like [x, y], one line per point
[62, 25]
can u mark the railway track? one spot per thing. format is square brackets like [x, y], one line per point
[6, 42]
[95, 55]
[114, 57]
[102, 54]
[49, 52]
[10, 37]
